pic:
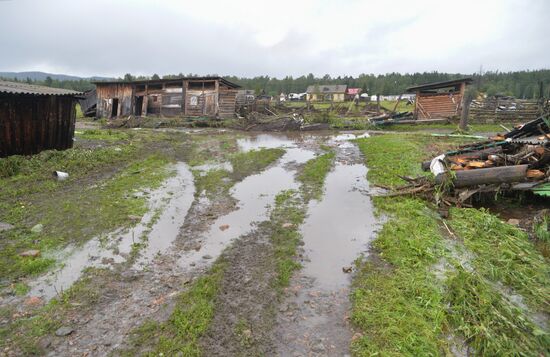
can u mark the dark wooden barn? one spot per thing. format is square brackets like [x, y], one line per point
[186, 96]
[439, 99]
[35, 118]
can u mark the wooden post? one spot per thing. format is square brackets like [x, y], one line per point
[464, 107]
[378, 103]
[183, 103]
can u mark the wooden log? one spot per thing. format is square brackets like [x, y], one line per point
[487, 176]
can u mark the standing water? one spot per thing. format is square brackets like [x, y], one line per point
[338, 228]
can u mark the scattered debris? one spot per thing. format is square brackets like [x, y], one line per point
[30, 253]
[516, 161]
[288, 225]
[37, 228]
[207, 256]
[224, 227]
[6, 226]
[33, 301]
[64, 331]
[347, 269]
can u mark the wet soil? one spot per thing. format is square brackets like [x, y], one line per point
[186, 233]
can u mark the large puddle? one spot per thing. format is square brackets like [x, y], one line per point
[339, 227]
[158, 228]
[255, 195]
[337, 230]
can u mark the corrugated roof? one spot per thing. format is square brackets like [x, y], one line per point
[33, 89]
[436, 85]
[167, 80]
[327, 88]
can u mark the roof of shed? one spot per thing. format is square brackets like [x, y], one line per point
[327, 88]
[168, 80]
[437, 85]
[33, 89]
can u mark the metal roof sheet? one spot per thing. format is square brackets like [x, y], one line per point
[33, 89]
[436, 85]
[168, 80]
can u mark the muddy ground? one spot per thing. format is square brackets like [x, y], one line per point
[114, 290]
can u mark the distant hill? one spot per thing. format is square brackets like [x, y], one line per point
[41, 76]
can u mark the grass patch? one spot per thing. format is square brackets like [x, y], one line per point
[108, 134]
[401, 306]
[491, 325]
[244, 164]
[504, 253]
[286, 218]
[313, 175]
[90, 210]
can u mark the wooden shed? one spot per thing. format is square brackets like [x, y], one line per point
[185, 96]
[35, 118]
[439, 100]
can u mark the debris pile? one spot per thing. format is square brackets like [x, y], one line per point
[516, 161]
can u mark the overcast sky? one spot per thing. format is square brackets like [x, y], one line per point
[276, 37]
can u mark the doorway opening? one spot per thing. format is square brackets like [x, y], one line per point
[139, 106]
[114, 108]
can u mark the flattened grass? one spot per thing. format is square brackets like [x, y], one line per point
[504, 253]
[401, 306]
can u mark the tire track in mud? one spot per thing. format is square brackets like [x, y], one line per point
[313, 319]
[126, 297]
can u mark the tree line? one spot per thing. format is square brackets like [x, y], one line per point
[520, 84]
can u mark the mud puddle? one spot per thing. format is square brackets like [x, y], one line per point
[255, 194]
[157, 229]
[313, 319]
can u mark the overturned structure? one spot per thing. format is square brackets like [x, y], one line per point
[439, 99]
[35, 118]
[186, 96]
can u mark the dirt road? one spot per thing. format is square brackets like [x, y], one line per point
[121, 280]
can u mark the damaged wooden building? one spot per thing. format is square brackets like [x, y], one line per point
[439, 100]
[35, 118]
[186, 96]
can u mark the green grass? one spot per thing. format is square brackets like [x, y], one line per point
[491, 325]
[108, 134]
[289, 208]
[402, 308]
[314, 173]
[244, 164]
[399, 307]
[504, 253]
[90, 211]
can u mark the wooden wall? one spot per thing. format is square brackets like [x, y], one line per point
[105, 94]
[438, 105]
[30, 124]
[167, 99]
[227, 102]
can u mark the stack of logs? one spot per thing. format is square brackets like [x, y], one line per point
[518, 160]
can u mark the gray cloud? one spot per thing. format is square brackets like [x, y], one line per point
[247, 38]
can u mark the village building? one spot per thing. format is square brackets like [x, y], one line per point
[185, 96]
[353, 93]
[439, 99]
[326, 92]
[35, 118]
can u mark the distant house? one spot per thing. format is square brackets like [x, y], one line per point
[439, 99]
[35, 118]
[353, 93]
[185, 96]
[326, 92]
